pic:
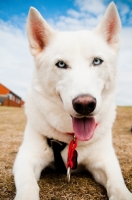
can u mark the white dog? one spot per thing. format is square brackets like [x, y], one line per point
[72, 94]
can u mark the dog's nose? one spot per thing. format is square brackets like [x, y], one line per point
[84, 104]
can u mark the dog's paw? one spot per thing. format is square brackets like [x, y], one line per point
[28, 193]
[122, 197]
[119, 192]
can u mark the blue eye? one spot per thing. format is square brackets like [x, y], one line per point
[61, 64]
[97, 61]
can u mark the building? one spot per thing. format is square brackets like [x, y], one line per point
[9, 98]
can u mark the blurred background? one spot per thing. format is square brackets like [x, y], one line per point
[16, 62]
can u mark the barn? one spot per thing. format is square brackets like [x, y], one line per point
[9, 98]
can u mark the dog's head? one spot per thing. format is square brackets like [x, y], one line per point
[76, 69]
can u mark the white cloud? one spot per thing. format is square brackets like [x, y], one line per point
[16, 63]
[75, 14]
[123, 8]
[93, 7]
[124, 92]
[87, 16]
[125, 12]
[75, 21]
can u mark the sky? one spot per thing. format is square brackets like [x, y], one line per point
[16, 62]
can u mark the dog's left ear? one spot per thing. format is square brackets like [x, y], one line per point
[110, 26]
[38, 31]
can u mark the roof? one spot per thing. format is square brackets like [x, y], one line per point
[8, 90]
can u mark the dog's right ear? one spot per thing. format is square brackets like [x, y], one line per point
[38, 31]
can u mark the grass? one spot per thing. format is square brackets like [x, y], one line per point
[54, 186]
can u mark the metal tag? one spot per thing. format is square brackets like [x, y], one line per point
[68, 174]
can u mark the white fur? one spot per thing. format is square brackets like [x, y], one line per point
[49, 102]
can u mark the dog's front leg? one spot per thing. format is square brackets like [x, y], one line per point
[33, 156]
[106, 170]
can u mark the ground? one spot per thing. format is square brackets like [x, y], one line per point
[54, 186]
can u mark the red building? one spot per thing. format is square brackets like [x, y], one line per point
[9, 98]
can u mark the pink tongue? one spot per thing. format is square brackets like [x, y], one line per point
[84, 128]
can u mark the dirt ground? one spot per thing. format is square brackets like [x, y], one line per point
[54, 186]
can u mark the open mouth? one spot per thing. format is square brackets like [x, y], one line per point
[84, 128]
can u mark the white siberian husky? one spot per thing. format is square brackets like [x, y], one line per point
[72, 91]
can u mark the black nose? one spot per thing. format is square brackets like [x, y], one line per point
[84, 104]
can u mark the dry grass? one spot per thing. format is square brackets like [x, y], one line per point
[53, 185]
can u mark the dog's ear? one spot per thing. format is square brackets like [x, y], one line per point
[110, 26]
[38, 31]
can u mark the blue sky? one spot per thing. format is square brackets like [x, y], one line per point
[12, 9]
[50, 7]
[16, 63]
[9, 9]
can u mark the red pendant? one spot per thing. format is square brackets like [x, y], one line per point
[72, 154]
